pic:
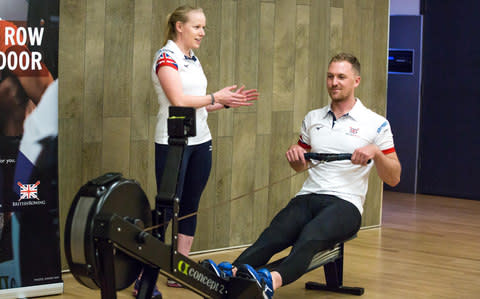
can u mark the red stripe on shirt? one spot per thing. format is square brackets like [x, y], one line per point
[388, 151]
[165, 64]
[304, 145]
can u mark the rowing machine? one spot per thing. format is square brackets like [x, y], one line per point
[107, 246]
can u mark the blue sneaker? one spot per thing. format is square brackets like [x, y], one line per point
[156, 294]
[226, 268]
[263, 279]
[210, 265]
[267, 278]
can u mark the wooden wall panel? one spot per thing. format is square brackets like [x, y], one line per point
[226, 62]
[304, 2]
[379, 67]
[373, 206]
[116, 145]
[243, 181]
[262, 179]
[336, 30]
[281, 139]
[336, 3]
[365, 54]
[206, 215]
[372, 215]
[71, 66]
[284, 56]
[108, 107]
[318, 48]
[265, 69]
[142, 63]
[119, 23]
[223, 184]
[94, 50]
[138, 167]
[351, 38]
[248, 15]
[302, 102]
[70, 168]
[71, 69]
[91, 159]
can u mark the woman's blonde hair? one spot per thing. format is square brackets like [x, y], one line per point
[178, 15]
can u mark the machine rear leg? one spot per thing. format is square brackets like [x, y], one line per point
[334, 278]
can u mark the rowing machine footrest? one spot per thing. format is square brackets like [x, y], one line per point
[240, 288]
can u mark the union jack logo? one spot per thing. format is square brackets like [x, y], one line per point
[354, 131]
[28, 191]
[165, 60]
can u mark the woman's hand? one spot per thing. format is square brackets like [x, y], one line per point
[228, 96]
[251, 94]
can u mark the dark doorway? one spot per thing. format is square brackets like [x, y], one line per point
[450, 107]
[403, 95]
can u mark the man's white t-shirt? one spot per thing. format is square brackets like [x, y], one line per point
[322, 133]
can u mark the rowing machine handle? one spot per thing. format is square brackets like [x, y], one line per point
[329, 157]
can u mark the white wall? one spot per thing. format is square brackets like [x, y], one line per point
[404, 7]
[13, 10]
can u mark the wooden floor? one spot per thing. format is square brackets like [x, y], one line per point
[427, 247]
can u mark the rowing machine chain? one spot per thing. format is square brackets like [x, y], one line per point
[238, 197]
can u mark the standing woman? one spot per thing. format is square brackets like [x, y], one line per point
[179, 80]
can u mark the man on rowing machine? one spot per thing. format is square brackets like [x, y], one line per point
[328, 208]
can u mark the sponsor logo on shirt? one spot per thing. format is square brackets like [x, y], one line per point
[353, 131]
[382, 126]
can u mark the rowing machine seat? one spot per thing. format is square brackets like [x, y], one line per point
[332, 262]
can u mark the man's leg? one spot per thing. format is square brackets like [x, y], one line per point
[282, 232]
[335, 220]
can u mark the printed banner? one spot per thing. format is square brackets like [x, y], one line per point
[29, 214]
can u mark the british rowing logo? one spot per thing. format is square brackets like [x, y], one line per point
[28, 191]
[28, 195]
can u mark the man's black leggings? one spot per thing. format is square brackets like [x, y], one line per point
[309, 223]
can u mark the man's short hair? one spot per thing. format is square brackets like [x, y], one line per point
[350, 58]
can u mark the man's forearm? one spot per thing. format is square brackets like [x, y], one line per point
[388, 168]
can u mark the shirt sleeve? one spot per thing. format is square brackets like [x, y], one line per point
[165, 59]
[304, 140]
[384, 138]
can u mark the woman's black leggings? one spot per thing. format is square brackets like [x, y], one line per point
[194, 173]
[309, 223]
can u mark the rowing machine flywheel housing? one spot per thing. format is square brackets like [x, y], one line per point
[107, 195]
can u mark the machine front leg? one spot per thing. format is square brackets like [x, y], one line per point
[147, 282]
[106, 270]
